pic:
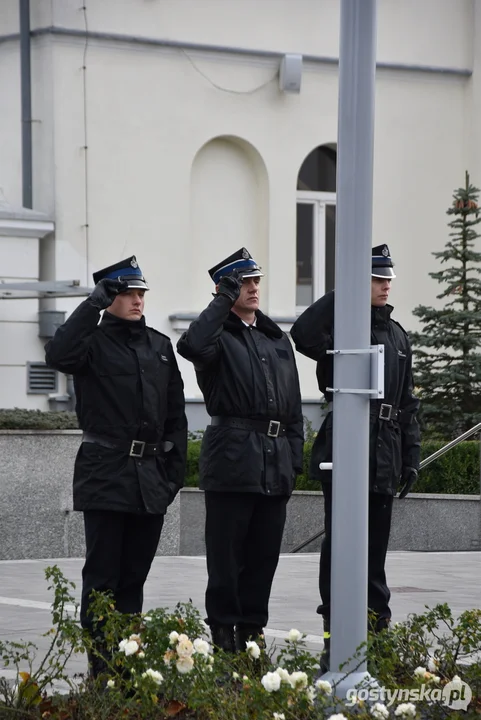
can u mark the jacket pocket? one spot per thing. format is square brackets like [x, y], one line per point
[230, 458]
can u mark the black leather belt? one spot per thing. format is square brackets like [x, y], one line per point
[133, 448]
[272, 428]
[386, 412]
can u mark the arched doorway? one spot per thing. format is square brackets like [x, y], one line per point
[316, 225]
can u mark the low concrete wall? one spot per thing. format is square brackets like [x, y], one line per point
[421, 522]
[36, 518]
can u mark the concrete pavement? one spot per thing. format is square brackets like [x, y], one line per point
[415, 579]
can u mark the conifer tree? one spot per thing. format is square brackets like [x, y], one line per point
[447, 350]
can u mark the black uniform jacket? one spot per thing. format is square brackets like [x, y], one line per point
[246, 372]
[128, 387]
[394, 444]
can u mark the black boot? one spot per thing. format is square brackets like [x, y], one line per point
[244, 633]
[223, 637]
[325, 658]
[98, 660]
[382, 623]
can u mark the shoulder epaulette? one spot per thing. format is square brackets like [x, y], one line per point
[157, 332]
[400, 326]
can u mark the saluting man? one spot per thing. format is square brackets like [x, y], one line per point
[394, 438]
[251, 451]
[131, 463]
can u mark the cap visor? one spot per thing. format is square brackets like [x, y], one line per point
[137, 284]
[253, 273]
[386, 272]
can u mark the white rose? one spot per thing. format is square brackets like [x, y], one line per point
[339, 716]
[129, 647]
[432, 664]
[279, 716]
[253, 649]
[141, 654]
[201, 647]
[153, 675]
[298, 680]
[185, 647]
[311, 694]
[184, 664]
[173, 637]
[284, 675]
[235, 675]
[324, 686]
[271, 682]
[406, 710]
[420, 672]
[110, 684]
[379, 711]
[147, 618]
[294, 635]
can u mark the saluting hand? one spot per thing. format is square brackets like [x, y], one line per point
[105, 292]
[409, 477]
[230, 285]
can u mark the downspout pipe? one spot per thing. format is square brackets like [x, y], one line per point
[49, 318]
[26, 96]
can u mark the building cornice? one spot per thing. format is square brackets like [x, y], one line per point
[227, 49]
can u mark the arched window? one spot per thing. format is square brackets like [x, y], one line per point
[316, 225]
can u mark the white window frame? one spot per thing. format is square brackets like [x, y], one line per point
[319, 200]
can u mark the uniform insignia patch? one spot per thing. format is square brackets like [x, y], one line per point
[164, 358]
[245, 254]
[385, 251]
[134, 263]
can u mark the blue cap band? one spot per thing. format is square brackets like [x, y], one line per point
[123, 272]
[240, 264]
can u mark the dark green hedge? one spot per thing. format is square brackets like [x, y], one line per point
[457, 472]
[18, 419]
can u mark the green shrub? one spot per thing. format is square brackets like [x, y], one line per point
[456, 472]
[192, 470]
[18, 419]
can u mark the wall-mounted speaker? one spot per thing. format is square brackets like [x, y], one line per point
[290, 73]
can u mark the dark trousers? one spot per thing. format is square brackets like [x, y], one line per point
[378, 594]
[243, 535]
[120, 550]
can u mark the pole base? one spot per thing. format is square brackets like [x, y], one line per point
[345, 686]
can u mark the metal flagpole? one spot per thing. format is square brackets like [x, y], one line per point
[352, 313]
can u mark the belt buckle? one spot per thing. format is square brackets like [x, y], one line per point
[133, 450]
[385, 412]
[274, 428]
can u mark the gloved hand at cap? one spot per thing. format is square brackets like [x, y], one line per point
[105, 292]
[230, 285]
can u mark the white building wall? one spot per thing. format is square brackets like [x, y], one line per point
[192, 154]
